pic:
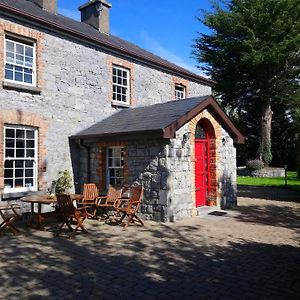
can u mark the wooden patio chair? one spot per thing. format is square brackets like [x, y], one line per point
[130, 208]
[9, 216]
[69, 214]
[109, 201]
[89, 200]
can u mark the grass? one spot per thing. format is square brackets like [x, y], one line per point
[292, 181]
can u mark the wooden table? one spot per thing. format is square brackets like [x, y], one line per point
[42, 200]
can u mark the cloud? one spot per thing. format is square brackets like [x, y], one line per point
[73, 14]
[154, 46]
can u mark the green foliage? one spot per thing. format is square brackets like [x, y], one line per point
[255, 164]
[63, 183]
[252, 52]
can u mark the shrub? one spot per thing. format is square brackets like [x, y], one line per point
[255, 164]
[63, 182]
[298, 161]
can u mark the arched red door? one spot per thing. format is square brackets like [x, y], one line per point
[202, 166]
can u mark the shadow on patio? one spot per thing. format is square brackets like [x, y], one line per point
[154, 262]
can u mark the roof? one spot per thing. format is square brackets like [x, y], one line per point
[159, 120]
[31, 13]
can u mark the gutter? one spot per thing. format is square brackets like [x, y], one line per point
[106, 45]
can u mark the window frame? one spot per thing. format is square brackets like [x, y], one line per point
[109, 167]
[23, 42]
[34, 187]
[177, 92]
[128, 87]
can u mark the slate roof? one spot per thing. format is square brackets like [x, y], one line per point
[87, 33]
[162, 119]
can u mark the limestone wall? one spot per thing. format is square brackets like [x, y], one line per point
[75, 83]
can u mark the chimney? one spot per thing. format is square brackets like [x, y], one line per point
[96, 14]
[48, 5]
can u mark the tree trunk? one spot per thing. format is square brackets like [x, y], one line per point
[264, 148]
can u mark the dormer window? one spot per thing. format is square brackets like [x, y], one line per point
[121, 85]
[20, 64]
[180, 91]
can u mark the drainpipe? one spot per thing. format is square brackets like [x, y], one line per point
[88, 149]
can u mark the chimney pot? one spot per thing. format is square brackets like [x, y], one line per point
[96, 14]
[48, 5]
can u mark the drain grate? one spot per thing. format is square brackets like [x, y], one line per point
[218, 213]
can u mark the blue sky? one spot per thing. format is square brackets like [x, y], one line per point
[166, 28]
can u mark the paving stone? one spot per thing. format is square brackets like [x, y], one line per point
[253, 253]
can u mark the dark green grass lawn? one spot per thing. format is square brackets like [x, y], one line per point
[292, 181]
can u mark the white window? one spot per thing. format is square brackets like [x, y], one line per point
[20, 65]
[20, 159]
[121, 84]
[115, 166]
[180, 91]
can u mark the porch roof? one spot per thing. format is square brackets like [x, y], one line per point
[158, 121]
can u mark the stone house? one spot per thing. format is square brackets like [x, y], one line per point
[75, 97]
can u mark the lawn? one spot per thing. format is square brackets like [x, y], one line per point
[292, 181]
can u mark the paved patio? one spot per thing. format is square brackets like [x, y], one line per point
[252, 252]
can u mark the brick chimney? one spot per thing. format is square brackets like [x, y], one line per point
[96, 14]
[48, 5]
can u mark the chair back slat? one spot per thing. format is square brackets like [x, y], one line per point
[113, 194]
[65, 204]
[90, 192]
[136, 198]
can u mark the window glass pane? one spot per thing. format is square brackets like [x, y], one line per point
[20, 153]
[29, 153]
[30, 144]
[200, 133]
[27, 78]
[19, 163]
[8, 183]
[28, 173]
[20, 143]
[9, 46]
[8, 164]
[10, 132]
[9, 152]
[9, 143]
[29, 182]
[20, 59]
[20, 133]
[119, 181]
[119, 172]
[19, 49]
[9, 74]
[19, 182]
[18, 76]
[19, 172]
[8, 173]
[10, 57]
[28, 163]
[112, 172]
[29, 51]
[114, 71]
[30, 134]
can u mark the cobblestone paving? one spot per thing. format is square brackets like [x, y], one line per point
[252, 252]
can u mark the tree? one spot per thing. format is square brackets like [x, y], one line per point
[252, 52]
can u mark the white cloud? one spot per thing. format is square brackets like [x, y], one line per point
[154, 46]
[73, 14]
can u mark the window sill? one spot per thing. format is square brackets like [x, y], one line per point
[21, 87]
[120, 104]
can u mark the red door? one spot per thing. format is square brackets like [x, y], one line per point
[202, 178]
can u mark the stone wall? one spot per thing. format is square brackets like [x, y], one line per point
[75, 83]
[264, 172]
[227, 171]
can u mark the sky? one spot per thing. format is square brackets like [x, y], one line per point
[166, 28]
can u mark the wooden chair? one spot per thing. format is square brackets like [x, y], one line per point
[109, 201]
[89, 200]
[69, 214]
[9, 216]
[130, 208]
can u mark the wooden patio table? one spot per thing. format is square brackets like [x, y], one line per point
[42, 200]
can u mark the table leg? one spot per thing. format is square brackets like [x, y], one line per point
[31, 221]
[39, 217]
